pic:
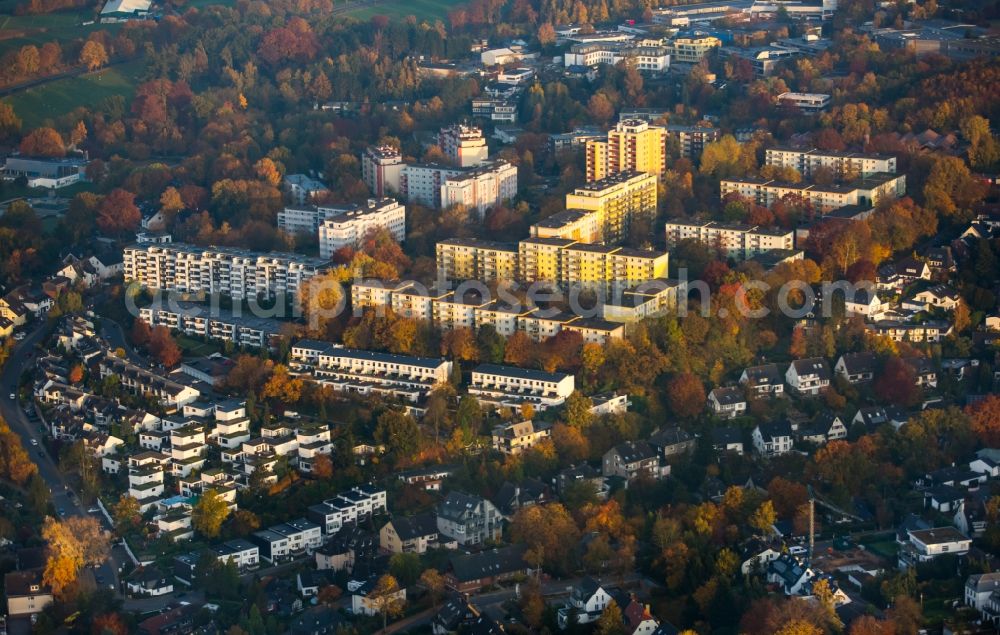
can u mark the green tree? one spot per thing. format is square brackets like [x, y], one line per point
[398, 432]
[405, 567]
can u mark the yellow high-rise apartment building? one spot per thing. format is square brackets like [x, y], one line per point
[617, 200]
[632, 145]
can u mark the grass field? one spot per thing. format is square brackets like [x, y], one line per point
[18, 30]
[429, 10]
[197, 348]
[57, 98]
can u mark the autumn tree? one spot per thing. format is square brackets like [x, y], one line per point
[71, 545]
[322, 467]
[686, 395]
[268, 171]
[951, 190]
[243, 522]
[549, 532]
[118, 213]
[108, 624]
[43, 142]
[546, 34]
[611, 621]
[171, 201]
[434, 582]
[764, 518]
[322, 299]
[384, 599]
[897, 383]
[163, 347]
[985, 417]
[10, 123]
[209, 513]
[282, 386]
[93, 55]
[984, 151]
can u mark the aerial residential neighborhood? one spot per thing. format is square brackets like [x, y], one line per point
[484, 318]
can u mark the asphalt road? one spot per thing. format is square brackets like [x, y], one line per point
[63, 499]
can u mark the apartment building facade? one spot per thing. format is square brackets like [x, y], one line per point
[381, 170]
[866, 192]
[221, 324]
[238, 273]
[511, 386]
[349, 228]
[735, 240]
[654, 59]
[690, 50]
[464, 145]
[617, 199]
[473, 259]
[632, 145]
[840, 163]
[481, 188]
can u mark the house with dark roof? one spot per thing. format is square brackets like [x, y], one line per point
[764, 380]
[826, 426]
[26, 593]
[454, 615]
[772, 438]
[808, 376]
[924, 373]
[727, 401]
[587, 601]
[672, 441]
[149, 582]
[468, 573]
[727, 439]
[943, 498]
[979, 587]
[791, 575]
[409, 534]
[469, 520]
[630, 459]
[864, 302]
[856, 368]
[511, 497]
[582, 473]
[178, 620]
[872, 417]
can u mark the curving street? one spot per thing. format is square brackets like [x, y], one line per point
[63, 498]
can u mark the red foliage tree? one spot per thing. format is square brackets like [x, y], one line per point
[686, 395]
[163, 347]
[118, 213]
[897, 383]
[985, 415]
[43, 142]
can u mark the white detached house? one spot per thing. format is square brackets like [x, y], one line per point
[586, 602]
[808, 376]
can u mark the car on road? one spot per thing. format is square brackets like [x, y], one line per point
[93, 510]
[13, 396]
[34, 442]
[19, 336]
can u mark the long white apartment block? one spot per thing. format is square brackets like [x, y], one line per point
[737, 241]
[366, 372]
[807, 161]
[237, 273]
[510, 386]
[865, 192]
[218, 324]
[349, 228]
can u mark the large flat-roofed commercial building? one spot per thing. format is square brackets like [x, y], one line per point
[45, 172]
[806, 102]
[510, 386]
[654, 59]
[632, 145]
[866, 192]
[237, 273]
[734, 240]
[350, 226]
[617, 199]
[841, 163]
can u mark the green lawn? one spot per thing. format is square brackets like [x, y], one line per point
[197, 348]
[64, 26]
[429, 10]
[57, 98]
